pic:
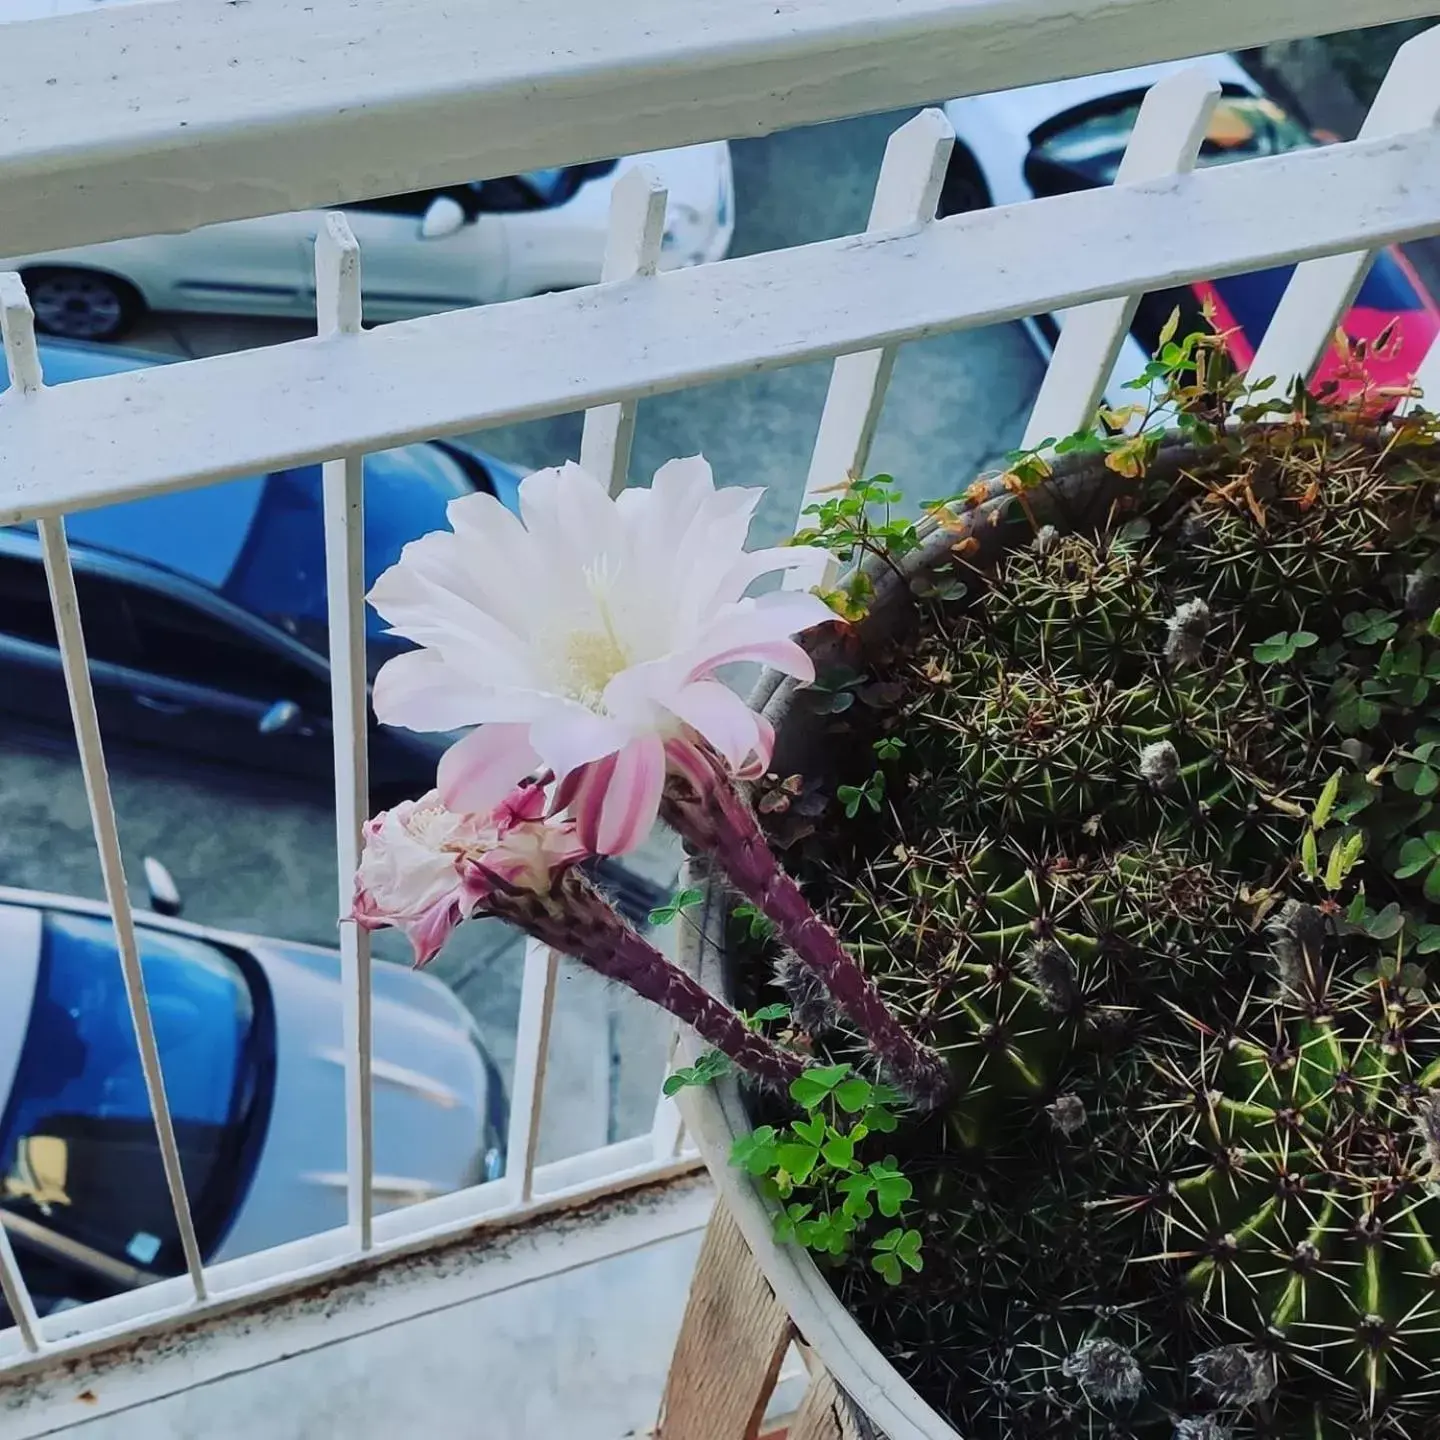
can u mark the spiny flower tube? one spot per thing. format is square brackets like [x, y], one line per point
[425, 868]
[703, 806]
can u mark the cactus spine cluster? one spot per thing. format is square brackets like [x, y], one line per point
[1190, 1184]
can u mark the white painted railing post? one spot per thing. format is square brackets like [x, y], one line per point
[1166, 140]
[338, 313]
[17, 1296]
[17, 326]
[532, 1055]
[1321, 292]
[906, 193]
[637, 230]
[632, 248]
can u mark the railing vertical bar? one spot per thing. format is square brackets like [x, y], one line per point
[17, 1296]
[1321, 292]
[906, 193]
[632, 247]
[532, 1052]
[667, 1130]
[1166, 140]
[17, 324]
[1427, 381]
[338, 312]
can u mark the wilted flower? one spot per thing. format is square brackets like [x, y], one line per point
[1427, 1127]
[1235, 1375]
[1067, 1114]
[1201, 1427]
[1105, 1369]
[424, 868]
[1159, 764]
[1188, 627]
[1051, 971]
[1422, 593]
[585, 635]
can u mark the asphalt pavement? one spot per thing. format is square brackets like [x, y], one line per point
[266, 864]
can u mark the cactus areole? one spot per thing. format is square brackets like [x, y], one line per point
[1155, 867]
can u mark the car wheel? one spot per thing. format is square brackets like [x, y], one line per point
[964, 189]
[82, 304]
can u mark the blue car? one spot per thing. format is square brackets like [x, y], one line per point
[204, 610]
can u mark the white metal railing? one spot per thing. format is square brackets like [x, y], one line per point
[639, 333]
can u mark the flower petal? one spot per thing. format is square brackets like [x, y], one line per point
[428, 933]
[760, 629]
[806, 563]
[478, 772]
[420, 690]
[573, 736]
[616, 800]
[722, 717]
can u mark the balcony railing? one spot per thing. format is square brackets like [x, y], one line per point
[176, 114]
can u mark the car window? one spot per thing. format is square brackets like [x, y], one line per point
[416, 203]
[26, 614]
[1086, 145]
[77, 1145]
[182, 642]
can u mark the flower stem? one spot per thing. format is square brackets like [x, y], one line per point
[578, 921]
[708, 811]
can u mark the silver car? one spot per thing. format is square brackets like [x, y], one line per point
[249, 1031]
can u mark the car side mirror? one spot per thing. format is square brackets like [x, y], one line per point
[446, 216]
[163, 891]
[281, 718]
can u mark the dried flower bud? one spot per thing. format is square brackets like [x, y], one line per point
[1422, 593]
[811, 1008]
[1201, 1427]
[1067, 1114]
[1195, 530]
[1052, 972]
[1159, 765]
[1235, 1375]
[1296, 934]
[1427, 1127]
[1188, 627]
[1105, 1370]
[1045, 538]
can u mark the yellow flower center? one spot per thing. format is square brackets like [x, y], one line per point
[587, 660]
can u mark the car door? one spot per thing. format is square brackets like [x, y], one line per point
[33, 697]
[403, 274]
[205, 675]
[262, 265]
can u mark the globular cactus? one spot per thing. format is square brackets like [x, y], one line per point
[1190, 1182]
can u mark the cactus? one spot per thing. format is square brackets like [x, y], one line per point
[1157, 873]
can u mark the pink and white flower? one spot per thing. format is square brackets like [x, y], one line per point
[424, 867]
[584, 635]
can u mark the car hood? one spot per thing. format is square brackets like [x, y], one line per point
[431, 1096]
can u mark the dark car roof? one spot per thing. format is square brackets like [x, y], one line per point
[208, 533]
[196, 532]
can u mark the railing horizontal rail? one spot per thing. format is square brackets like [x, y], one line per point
[218, 111]
[132, 434]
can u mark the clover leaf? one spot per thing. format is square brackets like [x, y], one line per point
[1281, 647]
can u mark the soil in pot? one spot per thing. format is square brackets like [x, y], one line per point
[1153, 858]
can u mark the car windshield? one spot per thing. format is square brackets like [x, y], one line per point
[78, 1152]
[1243, 127]
[280, 573]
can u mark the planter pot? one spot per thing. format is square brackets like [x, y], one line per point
[886, 1404]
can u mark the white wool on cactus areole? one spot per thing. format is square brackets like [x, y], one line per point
[583, 634]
